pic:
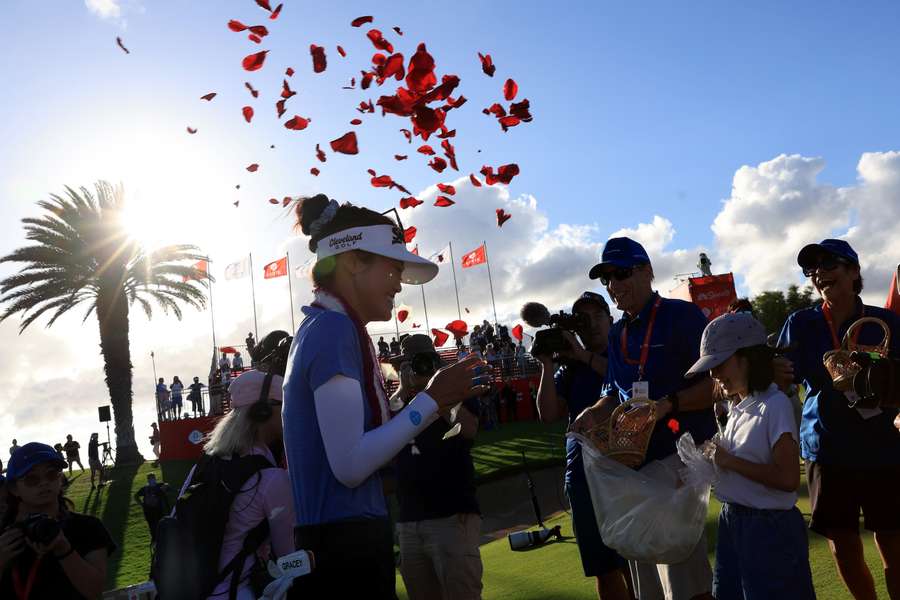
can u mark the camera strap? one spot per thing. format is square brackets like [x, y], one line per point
[829, 320]
[645, 347]
[23, 592]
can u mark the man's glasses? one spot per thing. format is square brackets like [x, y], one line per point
[35, 479]
[827, 262]
[619, 274]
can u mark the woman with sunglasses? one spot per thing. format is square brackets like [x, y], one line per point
[338, 427]
[46, 549]
[852, 454]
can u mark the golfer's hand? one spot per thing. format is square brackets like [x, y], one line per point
[453, 384]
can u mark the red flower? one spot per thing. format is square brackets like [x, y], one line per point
[297, 123]
[409, 202]
[254, 62]
[314, 171]
[252, 168]
[510, 89]
[248, 113]
[438, 164]
[502, 217]
[359, 21]
[487, 65]
[474, 180]
[318, 58]
[443, 202]
[346, 144]
[447, 189]
[208, 96]
[409, 234]
[440, 338]
[379, 42]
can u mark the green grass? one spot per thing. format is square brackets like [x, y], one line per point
[553, 571]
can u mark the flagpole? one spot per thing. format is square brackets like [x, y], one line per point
[287, 256]
[396, 324]
[425, 306]
[490, 282]
[253, 293]
[212, 313]
[455, 287]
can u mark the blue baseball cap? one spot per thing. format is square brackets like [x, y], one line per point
[619, 252]
[811, 253]
[29, 456]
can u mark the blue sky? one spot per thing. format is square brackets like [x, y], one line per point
[662, 119]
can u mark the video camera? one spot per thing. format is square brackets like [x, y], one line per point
[877, 384]
[39, 528]
[270, 355]
[551, 340]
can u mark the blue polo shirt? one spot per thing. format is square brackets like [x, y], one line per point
[830, 431]
[326, 345]
[674, 348]
[581, 386]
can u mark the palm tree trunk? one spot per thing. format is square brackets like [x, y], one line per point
[112, 312]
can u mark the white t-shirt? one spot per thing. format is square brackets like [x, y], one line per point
[754, 426]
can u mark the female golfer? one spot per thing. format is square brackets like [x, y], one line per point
[337, 424]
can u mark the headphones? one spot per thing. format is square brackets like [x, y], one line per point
[261, 410]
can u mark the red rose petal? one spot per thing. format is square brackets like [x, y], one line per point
[382, 181]
[208, 96]
[122, 46]
[379, 42]
[254, 38]
[398, 30]
[314, 171]
[320, 154]
[509, 121]
[420, 73]
[264, 4]
[346, 144]
[236, 26]
[502, 217]
[487, 65]
[273, 201]
[289, 72]
[248, 113]
[407, 134]
[425, 149]
[409, 234]
[253, 91]
[517, 332]
[341, 51]
[286, 91]
[279, 106]
[356, 122]
[510, 89]
[447, 189]
[285, 201]
[450, 153]
[318, 58]
[457, 327]
[673, 425]
[359, 21]
[447, 134]
[253, 168]
[297, 123]
[366, 107]
[438, 164]
[276, 12]
[410, 202]
[400, 157]
[393, 67]
[191, 130]
[474, 180]
[442, 201]
[402, 314]
[254, 62]
[440, 338]
[259, 30]
[415, 325]
[505, 173]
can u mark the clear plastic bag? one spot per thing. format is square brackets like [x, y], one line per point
[655, 515]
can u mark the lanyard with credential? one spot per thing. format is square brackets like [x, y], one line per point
[829, 320]
[645, 347]
[23, 592]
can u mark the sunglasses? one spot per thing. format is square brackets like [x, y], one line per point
[35, 479]
[619, 274]
[828, 262]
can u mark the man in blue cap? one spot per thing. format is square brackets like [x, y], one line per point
[650, 349]
[852, 454]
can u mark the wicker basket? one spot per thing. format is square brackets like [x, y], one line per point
[840, 366]
[625, 435]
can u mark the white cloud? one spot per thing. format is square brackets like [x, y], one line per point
[105, 9]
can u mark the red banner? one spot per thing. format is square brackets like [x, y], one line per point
[475, 257]
[712, 294]
[893, 300]
[275, 269]
[200, 265]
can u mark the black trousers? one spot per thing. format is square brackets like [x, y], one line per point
[353, 559]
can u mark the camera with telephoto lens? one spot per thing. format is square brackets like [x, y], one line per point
[877, 383]
[270, 355]
[425, 364]
[552, 340]
[39, 528]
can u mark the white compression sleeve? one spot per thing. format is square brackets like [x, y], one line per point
[354, 454]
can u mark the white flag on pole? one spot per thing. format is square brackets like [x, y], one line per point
[239, 269]
[442, 256]
[305, 269]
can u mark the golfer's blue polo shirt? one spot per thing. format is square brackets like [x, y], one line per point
[830, 431]
[674, 347]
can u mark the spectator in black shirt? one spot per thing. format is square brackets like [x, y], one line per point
[153, 500]
[195, 395]
[94, 459]
[383, 349]
[73, 455]
[394, 347]
[251, 344]
[69, 566]
[439, 523]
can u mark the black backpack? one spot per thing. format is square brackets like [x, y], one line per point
[186, 562]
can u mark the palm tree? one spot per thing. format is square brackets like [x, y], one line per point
[83, 255]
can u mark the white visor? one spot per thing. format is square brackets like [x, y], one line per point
[383, 240]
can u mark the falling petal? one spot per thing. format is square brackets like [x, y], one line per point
[447, 189]
[297, 123]
[487, 65]
[191, 130]
[122, 46]
[502, 217]
[314, 171]
[208, 96]
[510, 89]
[248, 113]
[360, 21]
[443, 201]
[474, 180]
[320, 154]
[409, 234]
[400, 157]
[253, 168]
[276, 12]
[346, 144]
[410, 202]
[318, 57]
[254, 62]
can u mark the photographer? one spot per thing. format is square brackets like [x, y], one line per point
[46, 549]
[852, 454]
[94, 460]
[439, 522]
[566, 392]
[337, 425]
